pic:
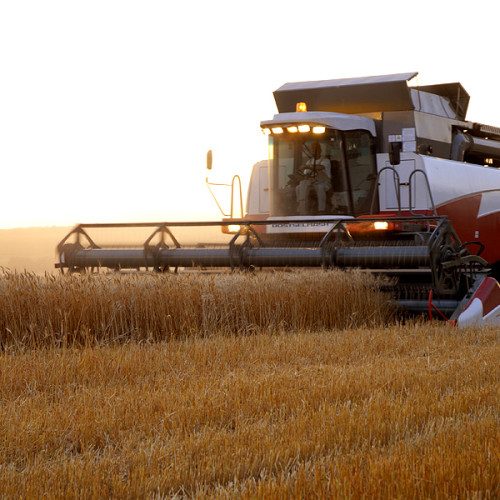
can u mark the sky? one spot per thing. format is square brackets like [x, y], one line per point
[108, 107]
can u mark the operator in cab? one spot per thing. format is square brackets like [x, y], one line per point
[315, 177]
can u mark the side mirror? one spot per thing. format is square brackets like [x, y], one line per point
[209, 159]
[395, 153]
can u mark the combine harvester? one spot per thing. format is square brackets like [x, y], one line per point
[364, 173]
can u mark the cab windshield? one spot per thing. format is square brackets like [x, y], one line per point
[333, 173]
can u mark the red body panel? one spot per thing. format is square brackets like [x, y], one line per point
[463, 214]
[489, 294]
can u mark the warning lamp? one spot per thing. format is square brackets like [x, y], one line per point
[319, 130]
[231, 229]
[381, 225]
[301, 107]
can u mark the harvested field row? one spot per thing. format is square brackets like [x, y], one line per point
[385, 413]
[95, 309]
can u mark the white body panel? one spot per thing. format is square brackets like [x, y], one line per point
[451, 180]
[474, 316]
[258, 191]
[484, 306]
[448, 180]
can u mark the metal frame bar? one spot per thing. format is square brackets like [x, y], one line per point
[397, 187]
[247, 229]
[446, 261]
[410, 204]
[235, 178]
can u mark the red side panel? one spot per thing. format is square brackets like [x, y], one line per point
[489, 294]
[463, 214]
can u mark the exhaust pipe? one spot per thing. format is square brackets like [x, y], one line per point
[465, 143]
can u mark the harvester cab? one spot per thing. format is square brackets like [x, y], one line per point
[369, 173]
[375, 133]
[321, 164]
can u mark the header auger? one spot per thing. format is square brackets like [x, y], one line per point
[363, 173]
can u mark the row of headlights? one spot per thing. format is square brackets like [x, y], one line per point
[293, 129]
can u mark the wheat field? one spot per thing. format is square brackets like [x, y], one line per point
[96, 404]
[89, 310]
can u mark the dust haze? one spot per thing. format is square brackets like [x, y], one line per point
[33, 249]
[30, 249]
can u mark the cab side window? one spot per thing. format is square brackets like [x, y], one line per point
[361, 165]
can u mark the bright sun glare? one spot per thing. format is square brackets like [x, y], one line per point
[108, 108]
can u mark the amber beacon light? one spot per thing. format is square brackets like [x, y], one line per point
[301, 107]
